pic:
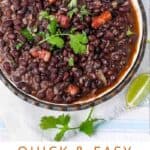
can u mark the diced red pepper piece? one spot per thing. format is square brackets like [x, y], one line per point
[51, 1]
[102, 19]
[42, 54]
[73, 89]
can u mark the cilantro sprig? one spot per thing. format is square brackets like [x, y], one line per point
[78, 42]
[62, 125]
[50, 36]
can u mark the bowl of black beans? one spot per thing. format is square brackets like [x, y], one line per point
[70, 54]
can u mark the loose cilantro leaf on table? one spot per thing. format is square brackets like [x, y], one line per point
[59, 136]
[62, 125]
[48, 122]
[87, 127]
[63, 119]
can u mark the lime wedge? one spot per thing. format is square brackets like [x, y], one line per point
[138, 90]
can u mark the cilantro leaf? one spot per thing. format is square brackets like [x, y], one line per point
[87, 127]
[129, 32]
[42, 34]
[78, 43]
[72, 12]
[52, 27]
[72, 30]
[72, 4]
[48, 122]
[27, 34]
[19, 45]
[71, 62]
[63, 120]
[45, 15]
[60, 135]
[84, 11]
[55, 41]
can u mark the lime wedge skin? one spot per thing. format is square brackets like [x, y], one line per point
[138, 90]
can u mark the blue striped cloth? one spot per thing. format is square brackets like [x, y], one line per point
[2, 125]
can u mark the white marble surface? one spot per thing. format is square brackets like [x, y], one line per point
[19, 120]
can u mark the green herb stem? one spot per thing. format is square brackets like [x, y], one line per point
[90, 114]
[44, 40]
[61, 124]
[73, 128]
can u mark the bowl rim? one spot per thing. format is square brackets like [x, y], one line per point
[96, 101]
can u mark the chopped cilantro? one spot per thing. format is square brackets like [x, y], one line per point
[84, 11]
[72, 12]
[71, 62]
[27, 34]
[78, 43]
[72, 4]
[129, 32]
[55, 41]
[19, 45]
[52, 27]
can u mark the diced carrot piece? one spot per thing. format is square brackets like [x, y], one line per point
[45, 55]
[51, 1]
[34, 52]
[102, 19]
[42, 54]
[73, 89]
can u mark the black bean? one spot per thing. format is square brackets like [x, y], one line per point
[7, 67]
